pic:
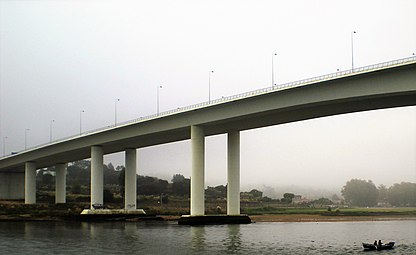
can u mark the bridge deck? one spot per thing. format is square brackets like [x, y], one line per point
[390, 84]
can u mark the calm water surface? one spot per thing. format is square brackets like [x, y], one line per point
[170, 238]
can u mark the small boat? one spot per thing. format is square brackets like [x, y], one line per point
[384, 246]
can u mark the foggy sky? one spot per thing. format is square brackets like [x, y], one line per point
[60, 57]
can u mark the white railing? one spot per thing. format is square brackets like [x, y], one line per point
[257, 92]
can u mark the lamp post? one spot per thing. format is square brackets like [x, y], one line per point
[209, 85]
[50, 129]
[352, 50]
[274, 54]
[158, 87]
[80, 121]
[4, 145]
[27, 129]
[115, 111]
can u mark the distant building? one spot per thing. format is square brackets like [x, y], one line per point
[298, 199]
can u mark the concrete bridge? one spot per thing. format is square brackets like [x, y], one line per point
[385, 85]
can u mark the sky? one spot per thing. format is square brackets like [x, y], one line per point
[58, 58]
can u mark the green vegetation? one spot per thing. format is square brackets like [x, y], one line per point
[364, 193]
[360, 193]
[79, 178]
[355, 192]
[41, 211]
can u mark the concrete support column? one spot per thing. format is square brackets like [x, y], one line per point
[130, 180]
[197, 175]
[60, 184]
[97, 175]
[30, 183]
[12, 185]
[233, 173]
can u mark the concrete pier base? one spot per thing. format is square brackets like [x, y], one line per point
[115, 215]
[214, 219]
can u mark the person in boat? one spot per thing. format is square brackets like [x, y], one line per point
[379, 243]
[375, 242]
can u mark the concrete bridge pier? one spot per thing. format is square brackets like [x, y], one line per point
[30, 183]
[197, 216]
[233, 173]
[97, 176]
[198, 171]
[60, 183]
[12, 185]
[130, 180]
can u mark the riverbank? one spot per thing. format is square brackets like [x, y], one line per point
[322, 218]
[14, 211]
[254, 218]
[313, 218]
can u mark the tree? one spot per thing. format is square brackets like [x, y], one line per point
[48, 179]
[360, 192]
[110, 174]
[121, 178]
[120, 168]
[403, 194]
[382, 193]
[256, 193]
[287, 198]
[79, 172]
[108, 196]
[121, 181]
[181, 186]
[151, 185]
[178, 178]
[76, 188]
[322, 201]
[217, 192]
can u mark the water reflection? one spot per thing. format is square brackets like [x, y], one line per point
[28, 230]
[130, 230]
[233, 240]
[169, 238]
[198, 238]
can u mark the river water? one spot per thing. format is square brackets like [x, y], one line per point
[170, 238]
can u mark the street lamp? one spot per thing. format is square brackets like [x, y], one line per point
[209, 85]
[4, 145]
[158, 87]
[50, 129]
[115, 111]
[274, 54]
[80, 121]
[27, 129]
[352, 50]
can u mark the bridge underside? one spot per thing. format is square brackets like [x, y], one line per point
[269, 118]
[311, 111]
